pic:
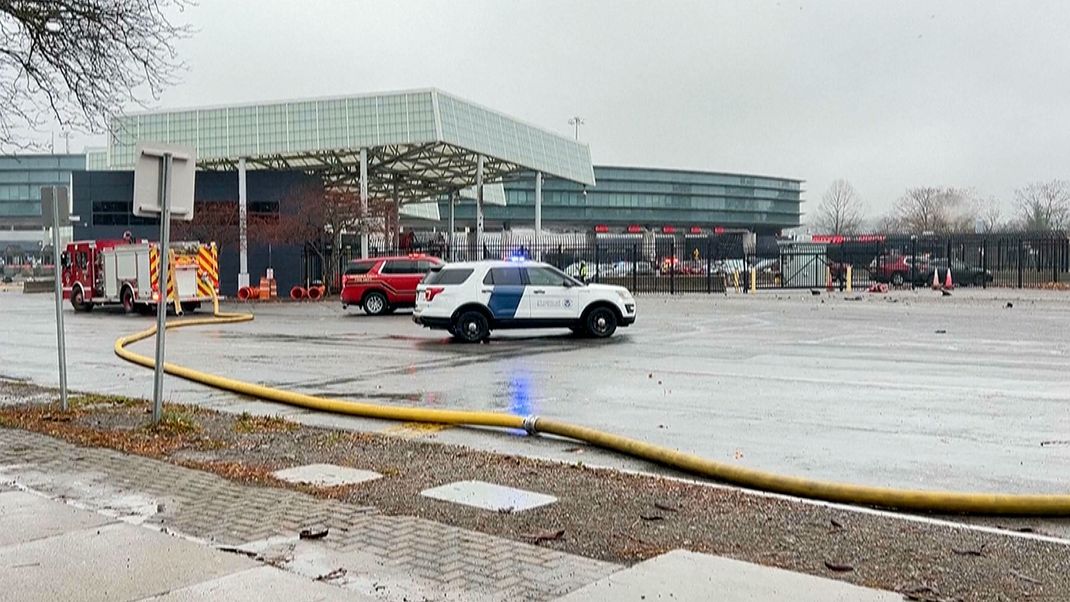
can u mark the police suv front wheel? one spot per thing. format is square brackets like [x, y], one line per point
[601, 322]
[470, 327]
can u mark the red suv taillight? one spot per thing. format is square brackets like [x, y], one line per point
[432, 292]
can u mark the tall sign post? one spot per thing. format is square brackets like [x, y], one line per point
[56, 211]
[163, 186]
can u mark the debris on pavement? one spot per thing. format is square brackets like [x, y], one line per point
[313, 533]
[337, 573]
[838, 567]
[544, 536]
[970, 551]
[1026, 578]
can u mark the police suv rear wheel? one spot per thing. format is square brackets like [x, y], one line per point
[471, 327]
[601, 322]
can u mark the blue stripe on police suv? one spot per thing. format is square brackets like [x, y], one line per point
[504, 301]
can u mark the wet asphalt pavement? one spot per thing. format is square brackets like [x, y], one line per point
[907, 390]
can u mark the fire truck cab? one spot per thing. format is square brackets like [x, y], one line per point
[125, 272]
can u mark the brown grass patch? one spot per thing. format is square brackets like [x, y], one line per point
[247, 423]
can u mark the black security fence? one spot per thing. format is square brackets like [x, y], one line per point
[740, 261]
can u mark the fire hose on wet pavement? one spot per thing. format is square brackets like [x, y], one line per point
[950, 502]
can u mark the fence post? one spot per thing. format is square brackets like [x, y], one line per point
[597, 263]
[843, 263]
[984, 262]
[635, 267]
[1054, 260]
[709, 288]
[913, 261]
[672, 266]
[1020, 262]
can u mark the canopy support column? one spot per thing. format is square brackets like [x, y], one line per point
[479, 208]
[453, 225]
[538, 215]
[363, 203]
[243, 225]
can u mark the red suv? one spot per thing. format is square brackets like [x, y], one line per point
[382, 285]
[897, 269]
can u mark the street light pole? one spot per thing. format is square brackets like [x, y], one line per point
[576, 122]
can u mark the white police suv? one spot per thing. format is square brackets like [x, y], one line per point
[470, 299]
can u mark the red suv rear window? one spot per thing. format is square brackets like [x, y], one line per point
[360, 268]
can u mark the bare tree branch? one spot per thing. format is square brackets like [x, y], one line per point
[934, 209]
[1044, 206]
[79, 61]
[840, 211]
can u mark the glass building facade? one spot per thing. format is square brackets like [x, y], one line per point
[649, 198]
[21, 180]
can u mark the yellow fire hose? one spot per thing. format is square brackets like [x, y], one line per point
[901, 499]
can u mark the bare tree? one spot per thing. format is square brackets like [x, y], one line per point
[218, 222]
[78, 61]
[989, 215]
[323, 215]
[934, 209]
[1044, 206]
[212, 222]
[840, 211]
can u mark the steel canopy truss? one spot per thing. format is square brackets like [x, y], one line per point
[420, 172]
[420, 144]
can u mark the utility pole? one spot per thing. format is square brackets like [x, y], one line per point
[576, 122]
[66, 142]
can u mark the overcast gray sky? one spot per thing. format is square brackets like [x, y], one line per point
[885, 94]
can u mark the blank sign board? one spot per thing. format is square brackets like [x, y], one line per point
[58, 195]
[148, 179]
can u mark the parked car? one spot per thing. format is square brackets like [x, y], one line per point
[623, 269]
[897, 269]
[380, 286]
[961, 273]
[685, 267]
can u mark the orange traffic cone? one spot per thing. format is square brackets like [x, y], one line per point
[936, 279]
[948, 284]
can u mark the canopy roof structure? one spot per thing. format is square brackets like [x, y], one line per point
[420, 144]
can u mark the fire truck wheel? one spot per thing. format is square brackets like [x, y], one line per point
[78, 301]
[190, 306]
[127, 299]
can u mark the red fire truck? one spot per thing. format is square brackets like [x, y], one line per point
[125, 272]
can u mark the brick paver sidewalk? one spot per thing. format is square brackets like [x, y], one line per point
[391, 557]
